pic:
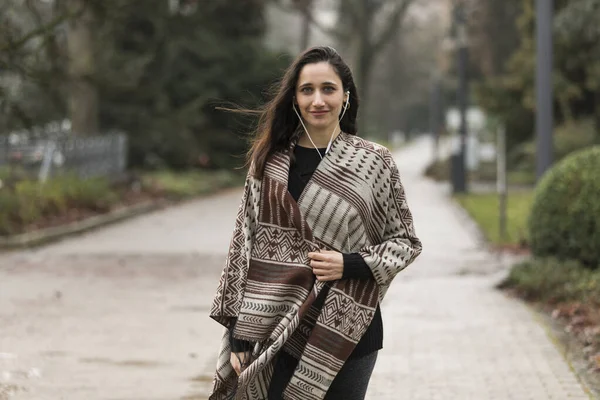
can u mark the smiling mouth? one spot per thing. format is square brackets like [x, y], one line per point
[318, 112]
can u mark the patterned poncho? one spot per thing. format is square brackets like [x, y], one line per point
[354, 203]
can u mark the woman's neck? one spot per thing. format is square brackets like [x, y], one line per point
[319, 138]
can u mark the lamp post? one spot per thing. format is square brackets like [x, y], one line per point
[543, 86]
[435, 112]
[459, 170]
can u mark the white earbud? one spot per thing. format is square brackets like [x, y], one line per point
[347, 104]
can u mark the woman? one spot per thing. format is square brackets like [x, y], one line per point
[322, 229]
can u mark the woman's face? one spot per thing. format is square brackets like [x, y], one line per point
[319, 96]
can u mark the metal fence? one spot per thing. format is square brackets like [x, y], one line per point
[50, 154]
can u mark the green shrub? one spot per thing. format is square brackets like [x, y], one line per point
[28, 202]
[94, 194]
[5, 173]
[9, 211]
[565, 217]
[31, 205]
[55, 195]
[555, 281]
[25, 203]
[11, 174]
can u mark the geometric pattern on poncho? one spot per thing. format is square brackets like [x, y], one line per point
[354, 202]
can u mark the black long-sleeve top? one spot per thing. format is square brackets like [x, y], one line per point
[304, 163]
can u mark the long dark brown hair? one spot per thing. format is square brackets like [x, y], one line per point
[278, 122]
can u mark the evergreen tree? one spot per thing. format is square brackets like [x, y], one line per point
[165, 71]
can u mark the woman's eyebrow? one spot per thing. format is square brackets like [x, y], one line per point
[326, 83]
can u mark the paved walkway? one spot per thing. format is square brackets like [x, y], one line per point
[121, 313]
[448, 334]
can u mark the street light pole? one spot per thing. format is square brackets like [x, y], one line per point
[435, 112]
[544, 115]
[460, 184]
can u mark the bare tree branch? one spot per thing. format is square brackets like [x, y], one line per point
[394, 23]
[34, 12]
[43, 30]
[335, 33]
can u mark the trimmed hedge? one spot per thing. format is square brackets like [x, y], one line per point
[565, 217]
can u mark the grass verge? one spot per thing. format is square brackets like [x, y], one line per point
[485, 210]
[27, 205]
[180, 185]
[440, 171]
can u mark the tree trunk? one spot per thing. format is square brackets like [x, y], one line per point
[363, 63]
[306, 23]
[83, 94]
[369, 46]
[394, 55]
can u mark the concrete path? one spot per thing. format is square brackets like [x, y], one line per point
[121, 313]
[448, 334]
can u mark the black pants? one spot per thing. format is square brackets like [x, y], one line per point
[349, 384]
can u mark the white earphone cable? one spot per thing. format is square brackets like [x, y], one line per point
[334, 129]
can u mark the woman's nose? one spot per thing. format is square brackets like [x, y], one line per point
[318, 100]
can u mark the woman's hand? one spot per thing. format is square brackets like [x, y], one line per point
[327, 265]
[235, 359]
